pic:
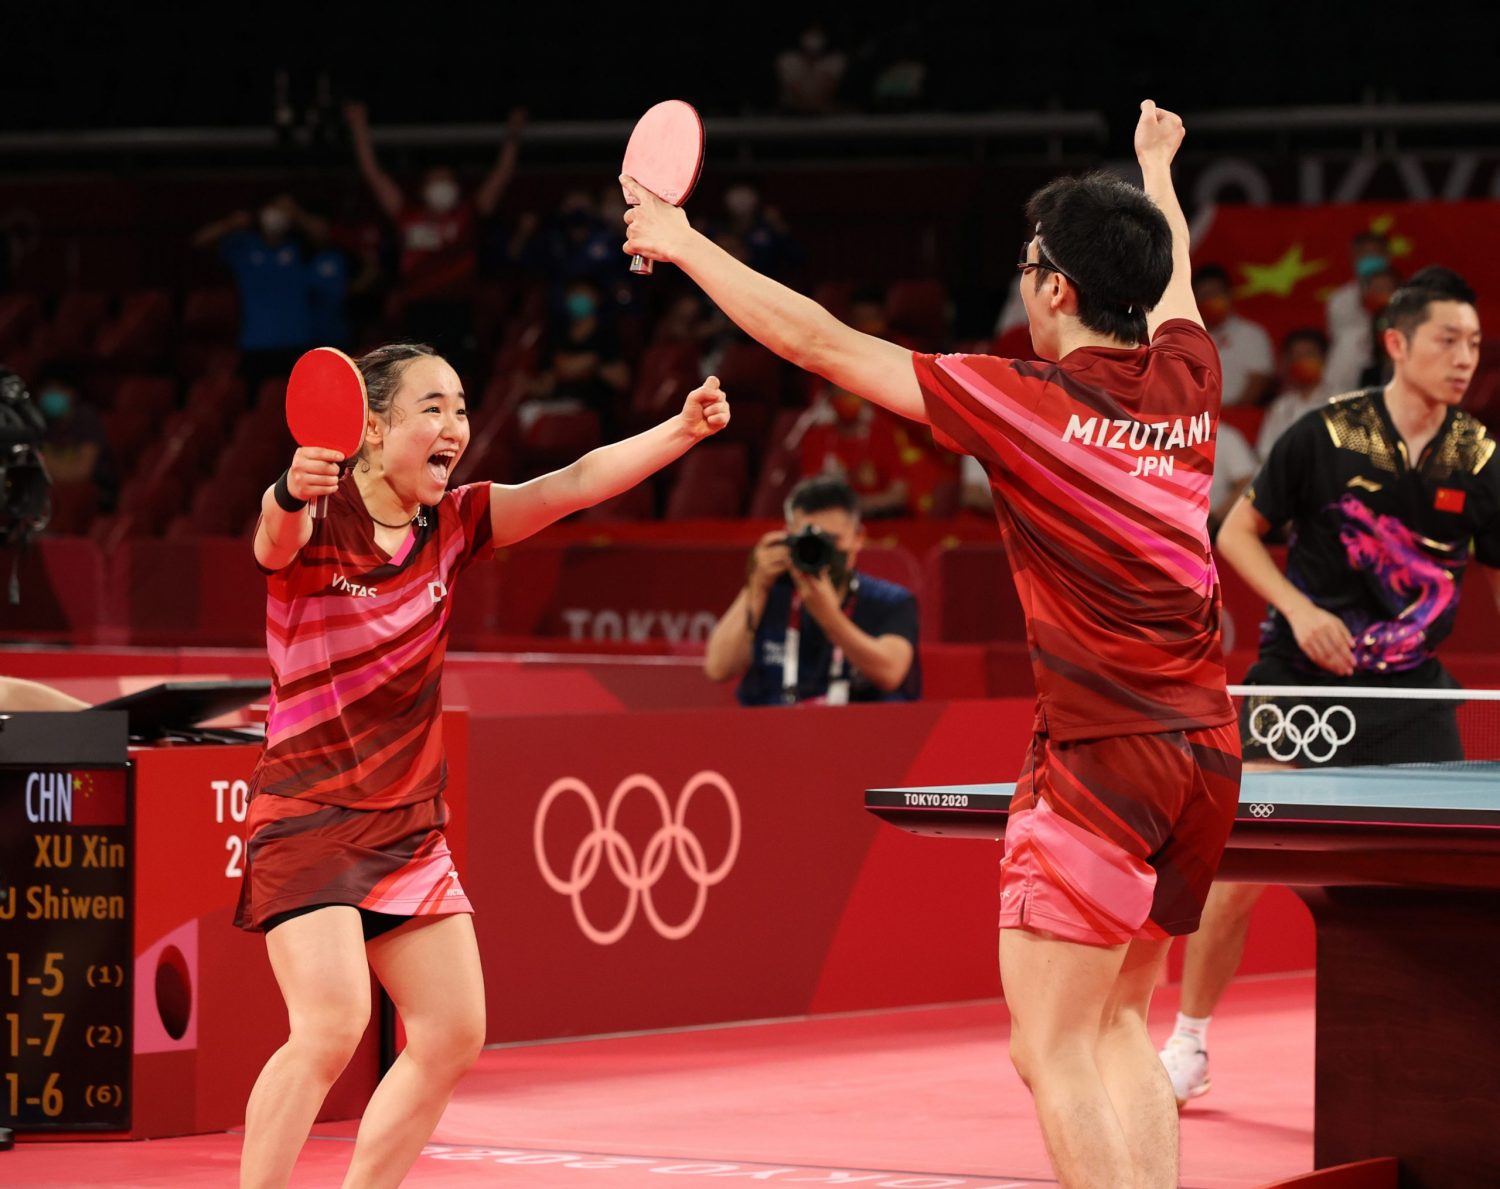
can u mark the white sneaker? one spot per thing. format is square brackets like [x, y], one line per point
[1187, 1066]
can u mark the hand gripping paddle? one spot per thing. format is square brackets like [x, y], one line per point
[665, 155]
[326, 406]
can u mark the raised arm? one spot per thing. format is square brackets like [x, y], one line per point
[516, 512]
[793, 326]
[282, 531]
[497, 181]
[207, 236]
[1157, 137]
[386, 192]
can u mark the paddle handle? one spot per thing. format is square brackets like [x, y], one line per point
[640, 266]
[318, 508]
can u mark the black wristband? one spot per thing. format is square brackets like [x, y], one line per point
[285, 500]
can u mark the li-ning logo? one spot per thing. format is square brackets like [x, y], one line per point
[1301, 731]
[638, 875]
[1261, 809]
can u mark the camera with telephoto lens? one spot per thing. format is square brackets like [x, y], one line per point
[813, 550]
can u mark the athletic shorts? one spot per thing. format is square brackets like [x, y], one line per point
[1109, 840]
[1342, 732]
[301, 855]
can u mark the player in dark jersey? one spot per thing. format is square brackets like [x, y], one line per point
[1387, 495]
[1100, 456]
[347, 868]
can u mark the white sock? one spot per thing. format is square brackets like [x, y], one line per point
[1193, 1028]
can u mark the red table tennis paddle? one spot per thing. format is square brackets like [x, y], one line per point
[665, 154]
[326, 406]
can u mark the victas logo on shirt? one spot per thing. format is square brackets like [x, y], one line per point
[340, 583]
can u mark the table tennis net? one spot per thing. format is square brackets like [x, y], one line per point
[1315, 726]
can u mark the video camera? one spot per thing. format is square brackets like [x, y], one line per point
[25, 486]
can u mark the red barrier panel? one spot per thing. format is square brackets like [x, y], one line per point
[196, 591]
[62, 586]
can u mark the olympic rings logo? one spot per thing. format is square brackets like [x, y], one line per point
[1261, 809]
[638, 875]
[1301, 731]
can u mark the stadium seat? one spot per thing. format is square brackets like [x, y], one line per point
[557, 438]
[639, 503]
[20, 315]
[779, 469]
[834, 297]
[154, 395]
[79, 314]
[919, 309]
[127, 430]
[74, 506]
[711, 483]
[747, 371]
[138, 336]
[211, 314]
[666, 373]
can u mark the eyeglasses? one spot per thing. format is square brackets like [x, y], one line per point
[1024, 265]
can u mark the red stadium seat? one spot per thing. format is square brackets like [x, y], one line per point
[80, 313]
[834, 297]
[211, 314]
[919, 309]
[139, 334]
[747, 371]
[711, 483]
[667, 372]
[639, 503]
[127, 430]
[557, 438]
[779, 470]
[153, 395]
[1245, 418]
[74, 506]
[20, 315]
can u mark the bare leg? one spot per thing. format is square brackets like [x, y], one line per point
[1133, 1074]
[430, 968]
[1056, 991]
[319, 962]
[1213, 953]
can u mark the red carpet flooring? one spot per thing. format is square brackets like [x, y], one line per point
[920, 1099]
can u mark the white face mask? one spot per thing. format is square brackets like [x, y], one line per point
[741, 202]
[441, 196]
[274, 222]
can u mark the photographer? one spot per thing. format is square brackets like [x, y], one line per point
[808, 627]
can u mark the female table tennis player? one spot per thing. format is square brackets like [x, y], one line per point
[348, 870]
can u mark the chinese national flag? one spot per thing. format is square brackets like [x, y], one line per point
[1448, 499]
[1285, 260]
[99, 798]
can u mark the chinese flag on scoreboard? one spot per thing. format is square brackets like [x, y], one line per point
[99, 798]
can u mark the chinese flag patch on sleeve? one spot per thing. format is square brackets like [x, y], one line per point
[1448, 499]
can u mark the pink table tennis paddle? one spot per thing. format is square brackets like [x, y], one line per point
[326, 406]
[665, 154]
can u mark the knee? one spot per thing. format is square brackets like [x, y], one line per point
[448, 1047]
[325, 1042]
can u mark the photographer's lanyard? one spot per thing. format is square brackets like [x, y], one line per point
[838, 667]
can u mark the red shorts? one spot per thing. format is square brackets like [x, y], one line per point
[1113, 839]
[301, 853]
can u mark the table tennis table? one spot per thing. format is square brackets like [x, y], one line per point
[1400, 867]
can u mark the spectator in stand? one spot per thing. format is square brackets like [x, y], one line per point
[808, 627]
[1356, 358]
[1235, 464]
[438, 240]
[1244, 347]
[270, 254]
[809, 75]
[1304, 355]
[572, 242]
[756, 233]
[1369, 253]
[76, 449]
[849, 439]
[581, 366]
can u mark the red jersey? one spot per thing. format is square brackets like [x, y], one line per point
[356, 640]
[438, 252]
[1101, 466]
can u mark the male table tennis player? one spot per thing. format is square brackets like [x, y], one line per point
[1100, 456]
[1382, 493]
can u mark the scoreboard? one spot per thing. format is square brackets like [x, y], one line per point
[66, 1000]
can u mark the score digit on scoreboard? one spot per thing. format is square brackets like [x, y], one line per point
[65, 949]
